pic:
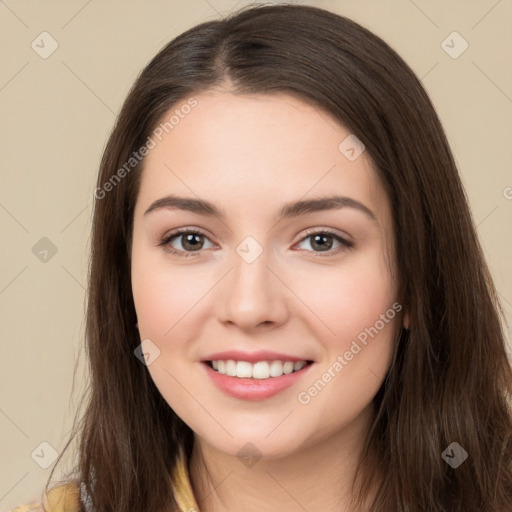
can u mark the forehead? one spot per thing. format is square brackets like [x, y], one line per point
[256, 150]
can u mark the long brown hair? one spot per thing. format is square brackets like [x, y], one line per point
[450, 380]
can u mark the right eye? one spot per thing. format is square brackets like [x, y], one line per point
[191, 241]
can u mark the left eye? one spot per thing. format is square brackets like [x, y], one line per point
[321, 241]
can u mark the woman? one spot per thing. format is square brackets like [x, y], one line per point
[288, 304]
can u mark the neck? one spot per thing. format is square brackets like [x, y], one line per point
[314, 477]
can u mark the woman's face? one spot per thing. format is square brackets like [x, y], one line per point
[269, 270]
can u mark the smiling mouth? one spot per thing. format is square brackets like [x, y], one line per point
[260, 370]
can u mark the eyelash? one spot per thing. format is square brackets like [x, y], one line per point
[187, 254]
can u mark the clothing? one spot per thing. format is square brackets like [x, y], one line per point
[182, 486]
[66, 498]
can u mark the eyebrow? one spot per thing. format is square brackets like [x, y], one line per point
[289, 210]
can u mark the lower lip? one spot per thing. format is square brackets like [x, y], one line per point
[254, 389]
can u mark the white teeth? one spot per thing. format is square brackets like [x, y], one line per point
[276, 369]
[287, 367]
[259, 370]
[299, 365]
[243, 369]
[231, 368]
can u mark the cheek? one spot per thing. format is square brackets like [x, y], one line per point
[351, 297]
[163, 301]
[163, 296]
[358, 304]
[156, 302]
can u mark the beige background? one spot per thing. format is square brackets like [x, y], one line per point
[56, 114]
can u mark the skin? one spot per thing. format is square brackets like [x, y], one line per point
[249, 155]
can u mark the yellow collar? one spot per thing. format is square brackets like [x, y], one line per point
[182, 486]
[66, 498]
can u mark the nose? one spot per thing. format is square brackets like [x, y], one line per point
[252, 296]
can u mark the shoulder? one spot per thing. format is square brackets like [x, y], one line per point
[62, 498]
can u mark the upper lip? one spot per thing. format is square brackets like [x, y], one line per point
[253, 357]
